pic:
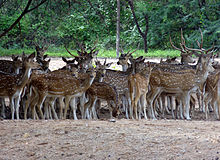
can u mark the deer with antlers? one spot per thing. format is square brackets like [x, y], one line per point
[83, 60]
[183, 81]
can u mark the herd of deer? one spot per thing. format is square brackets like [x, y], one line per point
[141, 90]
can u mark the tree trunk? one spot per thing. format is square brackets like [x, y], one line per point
[145, 45]
[118, 29]
[143, 34]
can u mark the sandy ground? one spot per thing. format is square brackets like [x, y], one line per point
[124, 139]
[102, 139]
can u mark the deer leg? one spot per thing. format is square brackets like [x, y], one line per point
[181, 110]
[72, 102]
[2, 101]
[164, 108]
[110, 109]
[167, 106]
[66, 107]
[88, 105]
[201, 105]
[172, 104]
[32, 105]
[186, 100]
[41, 100]
[160, 104]
[12, 107]
[93, 107]
[144, 105]
[206, 101]
[126, 103]
[52, 103]
[17, 100]
[46, 109]
[61, 102]
[153, 109]
[216, 109]
[192, 104]
[82, 103]
[140, 109]
[136, 99]
[30, 96]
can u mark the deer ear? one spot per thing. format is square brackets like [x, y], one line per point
[139, 59]
[31, 56]
[14, 58]
[45, 56]
[48, 60]
[109, 64]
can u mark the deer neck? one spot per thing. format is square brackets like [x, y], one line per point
[25, 77]
[124, 67]
[87, 83]
[202, 74]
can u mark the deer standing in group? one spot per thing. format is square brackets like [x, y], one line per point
[184, 81]
[42, 89]
[11, 85]
[101, 91]
[12, 67]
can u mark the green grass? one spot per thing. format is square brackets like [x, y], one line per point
[102, 53]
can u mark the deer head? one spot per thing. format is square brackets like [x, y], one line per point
[101, 69]
[84, 57]
[186, 55]
[123, 59]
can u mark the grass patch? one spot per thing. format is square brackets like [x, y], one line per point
[56, 52]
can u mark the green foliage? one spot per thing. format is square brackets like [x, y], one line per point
[70, 23]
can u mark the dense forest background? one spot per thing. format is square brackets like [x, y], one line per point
[71, 22]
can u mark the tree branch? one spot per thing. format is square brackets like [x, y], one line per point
[42, 2]
[26, 10]
[130, 2]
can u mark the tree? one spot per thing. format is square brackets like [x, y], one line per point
[26, 10]
[143, 34]
[118, 29]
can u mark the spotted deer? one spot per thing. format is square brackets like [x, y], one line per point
[212, 93]
[11, 85]
[60, 85]
[101, 91]
[9, 66]
[41, 52]
[44, 68]
[138, 88]
[83, 62]
[184, 81]
[124, 58]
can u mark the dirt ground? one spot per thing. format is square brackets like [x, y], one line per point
[103, 139]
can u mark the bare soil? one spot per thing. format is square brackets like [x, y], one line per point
[103, 139]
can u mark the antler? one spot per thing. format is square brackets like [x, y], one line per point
[72, 54]
[185, 49]
[182, 44]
